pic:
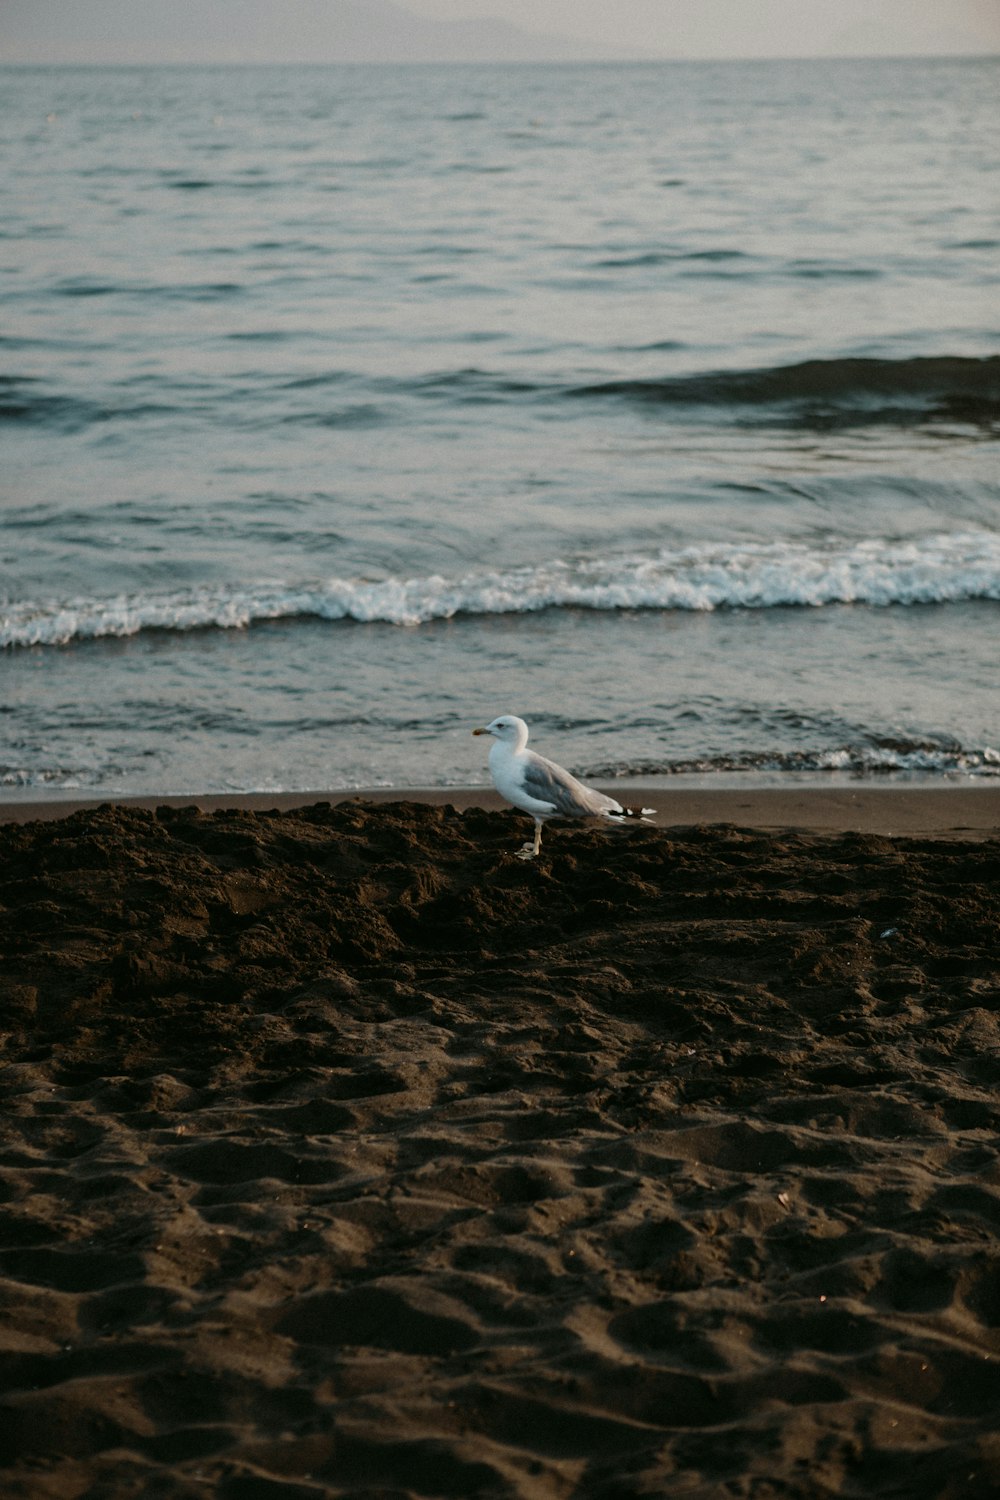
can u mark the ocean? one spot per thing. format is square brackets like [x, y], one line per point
[344, 408]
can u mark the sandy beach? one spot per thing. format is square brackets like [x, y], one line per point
[345, 1154]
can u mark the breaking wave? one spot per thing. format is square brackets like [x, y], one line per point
[938, 569]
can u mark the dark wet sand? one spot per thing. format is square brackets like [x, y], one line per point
[344, 1154]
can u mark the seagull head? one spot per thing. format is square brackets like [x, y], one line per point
[508, 728]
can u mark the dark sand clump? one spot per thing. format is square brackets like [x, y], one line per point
[344, 1154]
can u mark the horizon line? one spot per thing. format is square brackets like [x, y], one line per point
[644, 59]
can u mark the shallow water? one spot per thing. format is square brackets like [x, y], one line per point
[343, 408]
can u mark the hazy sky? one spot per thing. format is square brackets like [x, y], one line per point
[748, 28]
[256, 30]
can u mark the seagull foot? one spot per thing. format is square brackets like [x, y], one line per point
[526, 851]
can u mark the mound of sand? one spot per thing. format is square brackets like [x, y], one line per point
[344, 1154]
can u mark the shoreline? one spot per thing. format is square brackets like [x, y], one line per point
[968, 812]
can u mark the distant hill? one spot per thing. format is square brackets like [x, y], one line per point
[149, 31]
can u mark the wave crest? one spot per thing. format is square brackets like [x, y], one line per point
[935, 569]
[944, 386]
[820, 393]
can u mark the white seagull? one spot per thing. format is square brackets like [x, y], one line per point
[540, 787]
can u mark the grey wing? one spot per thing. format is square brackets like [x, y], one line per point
[548, 782]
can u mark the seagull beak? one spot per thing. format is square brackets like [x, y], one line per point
[480, 731]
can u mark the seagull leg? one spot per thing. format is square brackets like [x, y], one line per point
[531, 851]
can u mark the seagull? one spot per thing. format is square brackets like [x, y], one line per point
[540, 787]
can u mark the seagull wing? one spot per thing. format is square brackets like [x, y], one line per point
[544, 781]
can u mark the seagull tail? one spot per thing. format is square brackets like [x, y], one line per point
[640, 814]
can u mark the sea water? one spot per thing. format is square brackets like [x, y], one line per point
[343, 408]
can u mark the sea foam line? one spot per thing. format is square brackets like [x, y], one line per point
[859, 761]
[938, 569]
[864, 761]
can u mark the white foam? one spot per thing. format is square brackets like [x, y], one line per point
[861, 760]
[937, 569]
[919, 761]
